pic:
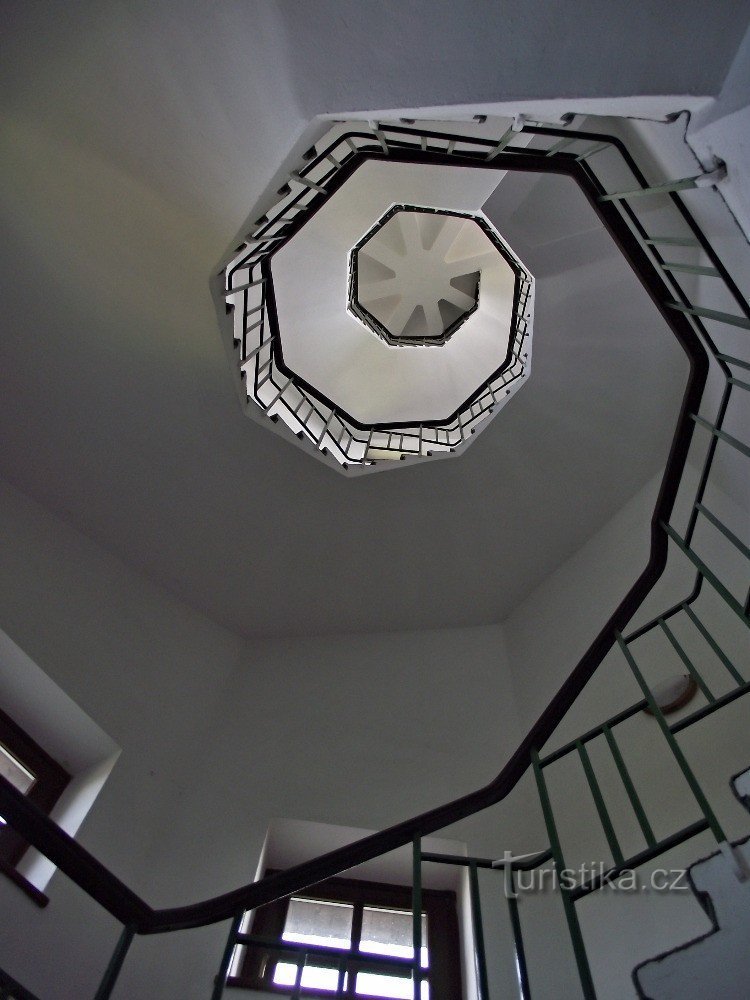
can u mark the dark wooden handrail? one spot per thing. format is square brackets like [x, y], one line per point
[70, 857]
[9, 987]
[107, 890]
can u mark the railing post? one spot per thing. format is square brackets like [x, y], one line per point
[226, 958]
[627, 781]
[483, 991]
[601, 808]
[520, 955]
[416, 903]
[574, 928]
[112, 971]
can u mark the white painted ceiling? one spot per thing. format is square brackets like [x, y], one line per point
[135, 139]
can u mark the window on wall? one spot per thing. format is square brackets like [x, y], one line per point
[34, 773]
[348, 931]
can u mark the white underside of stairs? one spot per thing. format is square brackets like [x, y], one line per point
[715, 966]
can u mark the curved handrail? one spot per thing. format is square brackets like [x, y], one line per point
[79, 865]
[111, 893]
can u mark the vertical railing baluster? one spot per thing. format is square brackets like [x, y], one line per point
[112, 971]
[226, 958]
[515, 922]
[574, 928]
[627, 781]
[480, 958]
[416, 904]
[601, 808]
[355, 948]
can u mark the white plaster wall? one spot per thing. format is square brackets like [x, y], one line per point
[217, 739]
[555, 625]
[150, 672]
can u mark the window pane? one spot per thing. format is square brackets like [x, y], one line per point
[389, 932]
[313, 978]
[313, 921]
[13, 771]
[378, 984]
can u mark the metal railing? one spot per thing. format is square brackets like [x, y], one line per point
[246, 285]
[678, 290]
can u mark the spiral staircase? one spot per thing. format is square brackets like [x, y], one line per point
[661, 227]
